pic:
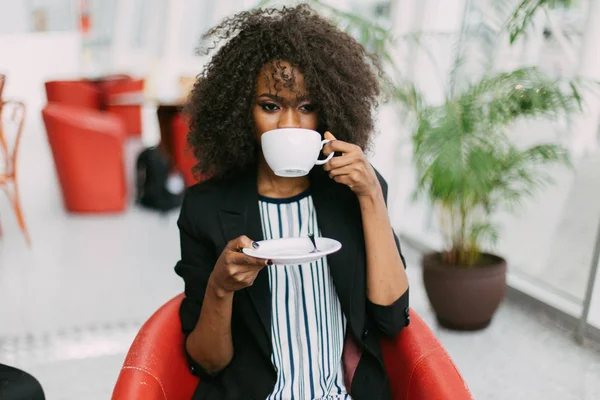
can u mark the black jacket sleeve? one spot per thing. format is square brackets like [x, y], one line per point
[198, 258]
[389, 320]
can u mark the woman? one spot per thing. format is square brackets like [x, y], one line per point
[257, 330]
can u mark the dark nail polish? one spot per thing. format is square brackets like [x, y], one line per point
[269, 262]
[255, 245]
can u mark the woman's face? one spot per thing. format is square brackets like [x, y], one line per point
[277, 105]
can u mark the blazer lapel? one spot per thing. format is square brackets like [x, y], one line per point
[240, 216]
[338, 219]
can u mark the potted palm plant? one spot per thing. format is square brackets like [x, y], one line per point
[469, 167]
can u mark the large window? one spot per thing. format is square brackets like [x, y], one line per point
[37, 16]
[196, 20]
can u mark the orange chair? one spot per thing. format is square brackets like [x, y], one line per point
[123, 98]
[9, 150]
[156, 369]
[76, 93]
[182, 155]
[87, 146]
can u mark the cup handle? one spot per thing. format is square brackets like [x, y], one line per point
[329, 157]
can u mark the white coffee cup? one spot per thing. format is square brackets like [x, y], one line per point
[292, 152]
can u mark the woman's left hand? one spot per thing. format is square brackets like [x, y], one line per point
[352, 168]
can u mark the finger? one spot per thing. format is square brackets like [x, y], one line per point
[329, 136]
[340, 162]
[341, 147]
[349, 170]
[242, 242]
[243, 259]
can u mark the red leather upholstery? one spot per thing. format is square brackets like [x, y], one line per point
[182, 155]
[155, 367]
[74, 93]
[87, 146]
[419, 367]
[123, 99]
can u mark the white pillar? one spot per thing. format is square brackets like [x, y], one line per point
[585, 127]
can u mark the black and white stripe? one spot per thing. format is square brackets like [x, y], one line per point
[307, 323]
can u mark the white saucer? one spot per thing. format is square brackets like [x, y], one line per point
[293, 250]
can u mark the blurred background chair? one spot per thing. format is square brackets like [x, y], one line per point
[183, 157]
[13, 112]
[76, 93]
[123, 97]
[120, 95]
[156, 368]
[88, 151]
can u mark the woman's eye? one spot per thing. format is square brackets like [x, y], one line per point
[308, 107]
[269, 107]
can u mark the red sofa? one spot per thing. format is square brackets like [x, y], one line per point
[87, 147]
[155, 367]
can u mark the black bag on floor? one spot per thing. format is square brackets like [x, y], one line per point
[152, 175]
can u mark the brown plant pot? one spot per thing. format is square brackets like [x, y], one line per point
[464, 298]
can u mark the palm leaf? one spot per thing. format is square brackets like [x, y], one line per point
[522, 18]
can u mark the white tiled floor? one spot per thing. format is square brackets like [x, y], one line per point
[71, 305]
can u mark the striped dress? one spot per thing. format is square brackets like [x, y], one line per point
[307, 323]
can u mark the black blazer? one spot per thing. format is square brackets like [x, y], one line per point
[215, 212]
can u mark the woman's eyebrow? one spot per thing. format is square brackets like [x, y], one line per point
[281, 99]
[271, 96]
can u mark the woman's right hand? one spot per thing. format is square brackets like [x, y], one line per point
[235, 270]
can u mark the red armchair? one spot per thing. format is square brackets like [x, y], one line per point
[87, 146]
[120, 95]
[182, 155]
[76, 93]
[123, 98]
[155, 367]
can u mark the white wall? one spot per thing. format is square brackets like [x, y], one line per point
[28, 60]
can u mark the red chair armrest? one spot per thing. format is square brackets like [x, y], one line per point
[157, 357]
[419, 368]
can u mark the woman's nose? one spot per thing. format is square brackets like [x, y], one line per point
[290, 118]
